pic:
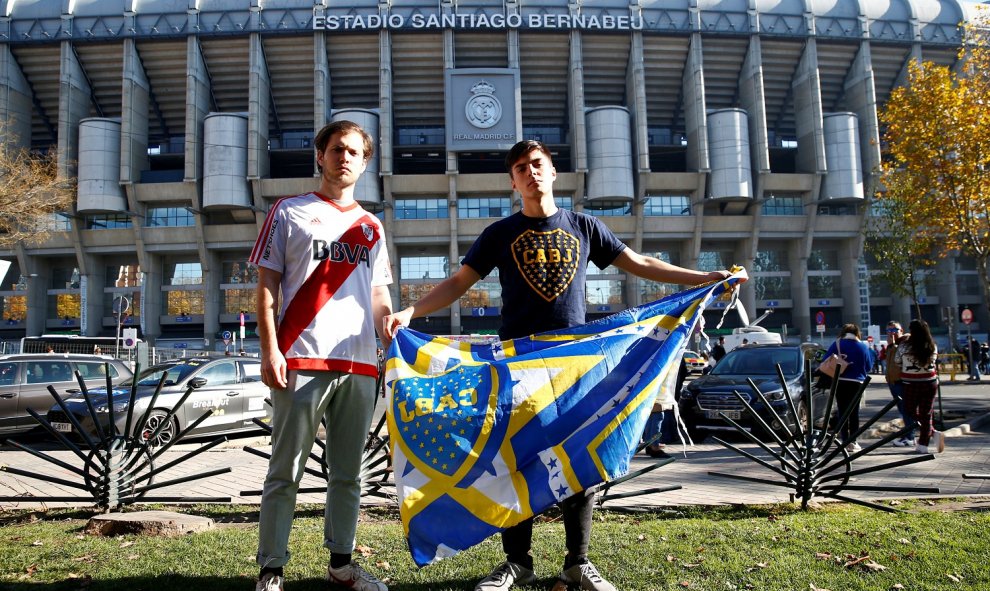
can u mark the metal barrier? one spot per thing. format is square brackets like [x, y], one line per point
[119, 467]
[951, 363]
[812, 462]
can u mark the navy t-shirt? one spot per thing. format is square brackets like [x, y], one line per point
[541, 264]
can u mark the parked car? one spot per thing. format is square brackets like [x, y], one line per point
[230, 386]
[24, 381]
[695, 363]
[703, 398]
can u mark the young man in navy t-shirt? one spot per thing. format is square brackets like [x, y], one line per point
[542, 255]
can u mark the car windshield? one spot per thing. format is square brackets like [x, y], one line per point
[176, 373]
[759, 362]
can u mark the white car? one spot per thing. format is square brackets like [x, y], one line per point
[694, 361]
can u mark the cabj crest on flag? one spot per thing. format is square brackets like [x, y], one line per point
[484, 436]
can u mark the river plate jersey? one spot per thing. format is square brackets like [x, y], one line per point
[330, 257]
[541, 266]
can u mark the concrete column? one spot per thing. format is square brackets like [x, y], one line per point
[151, 295]
[849, 265]
[94, 282]
[797, 261]
[321, 87]
[575, 104]
[259, 111]
[861, 98]
[636, 93]
[74, 103]
[16, 103]
[385, 100]
[807, 92]
[199, 102]
[753, 101]
[211, 295]
[695, 117]
[135, 101]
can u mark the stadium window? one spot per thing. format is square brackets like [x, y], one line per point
[482, 207]
[169, 217]
[667, 205]
[107, 221]
[421, 209]
[783, 205]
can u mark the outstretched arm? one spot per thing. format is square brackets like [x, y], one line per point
[654, 269]
[444, 294]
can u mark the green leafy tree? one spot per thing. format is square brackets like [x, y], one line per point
[936, 171]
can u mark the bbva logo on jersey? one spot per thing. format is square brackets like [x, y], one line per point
[340, 252]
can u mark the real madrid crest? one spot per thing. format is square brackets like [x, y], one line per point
[483, 110]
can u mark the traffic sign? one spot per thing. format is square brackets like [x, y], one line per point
[967, 316]
[819, 317]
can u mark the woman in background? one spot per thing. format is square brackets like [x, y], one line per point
[860, 358]
[916, 359]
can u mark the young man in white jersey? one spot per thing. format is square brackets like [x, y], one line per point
[541, 293]
[327, 256]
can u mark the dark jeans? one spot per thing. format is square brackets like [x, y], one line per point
[517, 541]
[845, 397]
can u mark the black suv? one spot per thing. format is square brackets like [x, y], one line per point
[704, 398]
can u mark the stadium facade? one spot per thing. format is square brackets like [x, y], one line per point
[705, 132]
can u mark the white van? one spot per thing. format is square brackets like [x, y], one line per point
[751, 334]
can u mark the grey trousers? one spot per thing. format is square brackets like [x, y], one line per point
[347, 401]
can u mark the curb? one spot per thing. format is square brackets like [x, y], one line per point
[961, 429]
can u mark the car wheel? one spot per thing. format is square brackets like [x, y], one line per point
[168, 433]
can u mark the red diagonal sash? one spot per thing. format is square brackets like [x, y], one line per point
[321, 285]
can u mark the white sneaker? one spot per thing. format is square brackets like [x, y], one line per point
[854, 447]
[585, 577]
[352, 576]
[270, 582]
[921, 449]
[506, 575]
[904, 442]
[937, 441]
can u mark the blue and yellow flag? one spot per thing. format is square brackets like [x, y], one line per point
[484, 436]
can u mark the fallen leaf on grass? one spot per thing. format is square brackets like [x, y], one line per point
[383, 564]
[903, 541]
[873, 566]
[690, 564]
[955, 577]
[364, 550]
[823, 555]
[685, 584]
[814, 587]
[37, 543]
[127, 544]
[84, 558]
[894, 503]
[671, 558]
[853, 561]
[757, 566]
[640, 537]
[897, 587]
[133, 556]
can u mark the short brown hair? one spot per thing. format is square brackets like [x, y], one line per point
[343, 127]
[521, 149]
[850, 328]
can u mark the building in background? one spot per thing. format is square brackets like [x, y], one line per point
[707, 133]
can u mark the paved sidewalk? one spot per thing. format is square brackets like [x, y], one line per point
[966, 409]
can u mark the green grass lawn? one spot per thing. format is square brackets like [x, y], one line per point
[930, 546]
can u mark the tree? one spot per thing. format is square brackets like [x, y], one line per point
[936, 173]
[901, 251]
[31, 192]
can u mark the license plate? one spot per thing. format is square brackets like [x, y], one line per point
[62, 427]
[732, 414]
